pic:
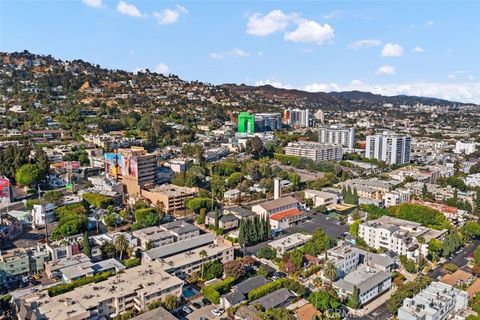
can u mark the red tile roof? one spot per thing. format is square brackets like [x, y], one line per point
[286, 214]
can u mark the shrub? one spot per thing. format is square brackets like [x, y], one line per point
[66, 287]
[213, 292]
[132, 262]
[275, 285]
[449, 266]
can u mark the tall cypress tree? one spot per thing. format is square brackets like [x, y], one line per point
[269, 229]
[241, 233]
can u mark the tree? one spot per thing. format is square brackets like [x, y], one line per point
[354, 227]
[424, 191]
[241, 233]
[255, 147]
[203, 254]
[86, 245]
[323, 300]
[121, 245]
[217, 218]
[354, 301]
[108, 250]
[234, 269]
[170, 302]
[267, 253]
[330, 271]
[29, 175]
[476, 255]
[471, 230]
[213, 269]
[54, 197]
[201, 216]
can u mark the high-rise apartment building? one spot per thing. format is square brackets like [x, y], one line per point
[134, 167]
[297, 117]
[389, 147]
[337, 135]
[259, 122]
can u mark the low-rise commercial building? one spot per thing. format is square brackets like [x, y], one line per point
[289, 243]
[321, 198]
[271, 207]
[172, 197]
[287, 218]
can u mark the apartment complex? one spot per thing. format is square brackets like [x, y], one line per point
[344, 257]
[184, 257]
[259, 122]
[135, 288]
[338, 135]
[134, 167]
[320, 198]
[289, 243]
[165, 234]
[314, 151]
[389, 147]
[438, 301]
[399, 236]
[395, 197]
[20, 262]
[369, 281]
[465, 147]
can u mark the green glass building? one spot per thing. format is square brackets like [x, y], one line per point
[246, 122]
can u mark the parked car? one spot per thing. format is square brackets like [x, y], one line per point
[218, 312]
[206, 301]
[187, 310]
[196, 305]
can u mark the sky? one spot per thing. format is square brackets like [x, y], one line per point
[426, 48]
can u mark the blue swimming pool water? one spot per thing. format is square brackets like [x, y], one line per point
[189, 292]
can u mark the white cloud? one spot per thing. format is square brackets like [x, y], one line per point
[429, 23]
[310, 31]
[236, 53]
[470, 77]
[128, 9]
[418, 49]
[169, 16]
[368, 43]
[464, 92]
[385, 70]
[272, 22]
[260, 53]
[162, 68]
[93, 3]
[321, 87]
[333, 15]
[392, 50]
[273, 83]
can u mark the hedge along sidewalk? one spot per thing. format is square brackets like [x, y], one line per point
[270, 287]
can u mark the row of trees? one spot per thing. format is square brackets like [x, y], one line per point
[254, 230]
[350, 196]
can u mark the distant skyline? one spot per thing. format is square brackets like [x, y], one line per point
[425, 48]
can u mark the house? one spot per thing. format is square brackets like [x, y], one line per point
[239, 212]
[226, 222]
[277, 299]
[232, 195]
[239, 292]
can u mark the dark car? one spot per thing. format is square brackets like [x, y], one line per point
[280, 274]
[196, 305]
[206, 301]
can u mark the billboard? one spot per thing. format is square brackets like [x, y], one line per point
[4, 190]
[117, 164]
[69, 165]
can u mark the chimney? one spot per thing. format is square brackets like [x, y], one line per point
[277, 189]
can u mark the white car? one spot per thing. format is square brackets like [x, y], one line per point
[217, 312]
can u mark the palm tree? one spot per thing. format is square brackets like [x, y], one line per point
[121, 244]
[203, 255]
[330, 271]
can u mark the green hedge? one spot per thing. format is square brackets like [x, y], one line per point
[97, 200]
[213, 292]
[275, 285]
[66, 287]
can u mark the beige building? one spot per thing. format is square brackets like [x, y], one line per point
[171, 196]
[135, 288]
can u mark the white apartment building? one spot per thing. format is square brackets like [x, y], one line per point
[465, 147]
[314, 151]
[395, 197]
[389, 147]
[473, 180]
[344, 257]
[399, 236]
[369, 281]
[338, 135]
[438, 301]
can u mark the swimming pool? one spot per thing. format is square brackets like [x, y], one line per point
[189, 292]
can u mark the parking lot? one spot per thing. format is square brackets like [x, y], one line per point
[319, 221]
[205, 312]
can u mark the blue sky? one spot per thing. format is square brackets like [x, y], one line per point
[429, 48]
